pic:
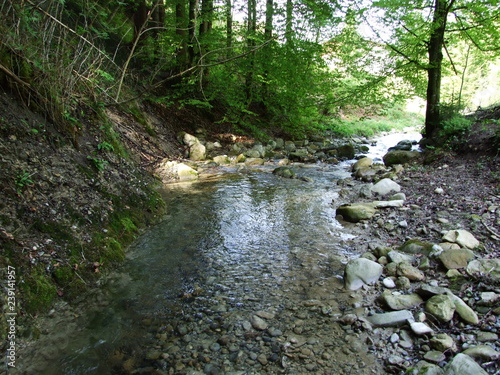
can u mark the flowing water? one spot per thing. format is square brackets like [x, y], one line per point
[244, 243]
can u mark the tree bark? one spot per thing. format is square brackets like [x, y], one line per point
[229, 27]
[267, 51]
[435, 51]
[181, 32]
[207, 8]
[251, 32]
[289, 23]
[140, 18]
[193, 5]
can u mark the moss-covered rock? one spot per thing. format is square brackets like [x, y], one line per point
[400, 157]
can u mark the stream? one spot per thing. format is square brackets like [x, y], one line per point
[242, 276]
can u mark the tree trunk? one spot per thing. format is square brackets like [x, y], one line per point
[229, 26]
[193, 5]
[289, 23]
[140, 18]
[181, 32]
[251, 31]
[435, 51]
[267, 51]
[207, 8]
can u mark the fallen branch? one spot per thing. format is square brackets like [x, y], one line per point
[16, 78]
[495, 234]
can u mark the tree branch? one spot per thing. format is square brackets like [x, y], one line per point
[451, 60]
[194, 68]
[72, 31]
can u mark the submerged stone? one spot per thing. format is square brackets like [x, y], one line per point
[285, 172]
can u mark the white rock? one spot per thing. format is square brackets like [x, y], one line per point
[398, 257]
[361, 271]
[461, 237]
[386, 186]
[170, 171]
[420, 328]
[388, 204]
[439, 191]
[391, 319]
[389, 283]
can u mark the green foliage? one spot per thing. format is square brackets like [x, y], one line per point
[63, 275]
[99, 164]
[391, 117]
[455, 126]
[112, 251]
[112, 140]
[105, 146]
[22, 180]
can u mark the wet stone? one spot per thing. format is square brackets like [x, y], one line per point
[434, 356]
[274, 332]
[258, 323]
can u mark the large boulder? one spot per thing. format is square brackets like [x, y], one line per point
[461, 237]
[355, 212]
[391, 319]
[485, 267]
[362, 163]
[415, 246]
[404, 145]
[301, 154]
[462, 364]
[455, 259]
[285, 172]
[463, 310]
[401, 301]
[196, 150]
[222, 159]
[346, 151]
[400, 157]
[412, 273]
[171, 171]
[361, 271]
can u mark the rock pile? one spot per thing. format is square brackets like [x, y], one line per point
[429, 308]
[198, 151]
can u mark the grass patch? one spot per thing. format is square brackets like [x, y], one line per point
[392, 119]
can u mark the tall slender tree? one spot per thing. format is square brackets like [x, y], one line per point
[422, 30]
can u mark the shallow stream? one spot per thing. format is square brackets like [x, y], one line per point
[244, 243]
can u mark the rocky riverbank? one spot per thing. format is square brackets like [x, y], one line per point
[428, 281]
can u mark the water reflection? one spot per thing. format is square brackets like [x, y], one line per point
[237, 238]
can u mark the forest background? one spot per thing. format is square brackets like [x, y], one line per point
[293, 67]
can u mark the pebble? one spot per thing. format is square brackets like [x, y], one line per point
[434, 356]
[439, 191]
[420, 328]
[394, 338]
[389, 283]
